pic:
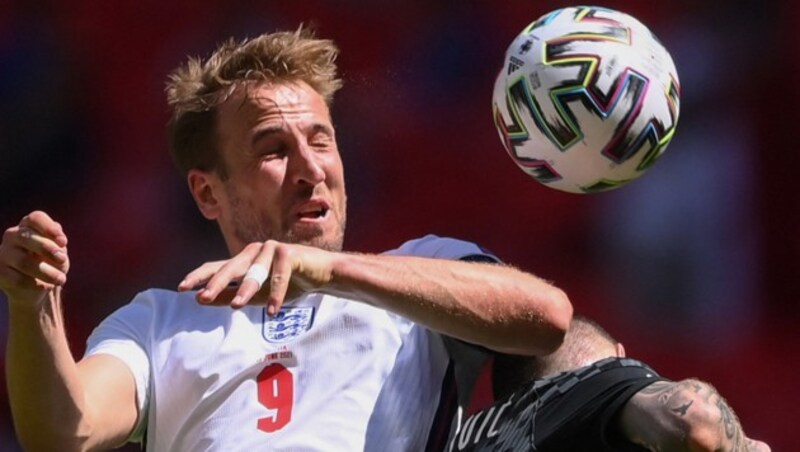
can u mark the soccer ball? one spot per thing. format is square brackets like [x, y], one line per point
[587, 99]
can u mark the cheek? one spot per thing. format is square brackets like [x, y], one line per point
[252, 195]
[262, 184]
[335, 172]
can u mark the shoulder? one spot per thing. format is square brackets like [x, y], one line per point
[156, 295]
[622, 372]
[151, 307]
[566, 411]
[164, 300]
[576, 408]
[625, 366]
[595, 391]
[444, 248]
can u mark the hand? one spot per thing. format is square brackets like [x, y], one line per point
[33, 259]
[292, 270]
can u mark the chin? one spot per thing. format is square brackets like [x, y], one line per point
[328, 242]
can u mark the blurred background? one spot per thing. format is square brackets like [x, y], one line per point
[692, 266]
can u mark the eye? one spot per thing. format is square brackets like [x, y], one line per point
[270, 151]
[269, 143]
[320, 139]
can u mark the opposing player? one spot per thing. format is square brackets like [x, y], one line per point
[325, 350]
[587, 396]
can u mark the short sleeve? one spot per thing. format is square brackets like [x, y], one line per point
[584, 401]
[443, 248]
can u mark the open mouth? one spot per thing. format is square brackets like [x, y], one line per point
[313, 211]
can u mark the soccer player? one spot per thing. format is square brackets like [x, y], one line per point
[587, 396]
[315, 348]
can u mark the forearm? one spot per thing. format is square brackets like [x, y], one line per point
[44, 391]
[492, 305]
[717, 428]
[684, 416]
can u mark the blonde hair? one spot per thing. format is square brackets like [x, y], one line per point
[197, 88]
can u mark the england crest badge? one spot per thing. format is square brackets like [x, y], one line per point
[289, 323]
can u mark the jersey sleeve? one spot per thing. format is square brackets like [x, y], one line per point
[124, 335]
[572, 410]
[582, 405]
[443, 248]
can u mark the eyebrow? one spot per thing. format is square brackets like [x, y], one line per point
[320, 127]
[265, 132]
[275, 130]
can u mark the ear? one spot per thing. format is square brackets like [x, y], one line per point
[206, 190]
[620, 350]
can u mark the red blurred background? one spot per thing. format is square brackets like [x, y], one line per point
[692, 266]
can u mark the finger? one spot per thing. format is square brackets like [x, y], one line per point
[199, 276]
[50, 274]
[19, 286]
[251, 283]
[40, 270]
[222, 299]
[279, 280]
[230, 271]
[43, 224]
[37, 244]
[257, 273]
[34, 266]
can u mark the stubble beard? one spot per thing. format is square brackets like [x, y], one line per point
[334, 243]
[249, 227]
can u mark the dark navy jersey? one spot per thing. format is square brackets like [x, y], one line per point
[569, 411]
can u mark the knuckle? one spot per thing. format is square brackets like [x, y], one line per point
[35, 217]
[286, 252]
[248, 286]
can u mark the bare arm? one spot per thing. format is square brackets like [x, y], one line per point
[493, 305]
[689, 415]
[497, 306]
[56, 403]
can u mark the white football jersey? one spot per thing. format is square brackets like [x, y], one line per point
[326, 373]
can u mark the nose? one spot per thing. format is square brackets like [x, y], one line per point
[306, 166]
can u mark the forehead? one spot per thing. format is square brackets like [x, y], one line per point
[255, 104]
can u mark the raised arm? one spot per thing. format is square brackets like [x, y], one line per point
[56, 403]
[689, 415]
[496, 306]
